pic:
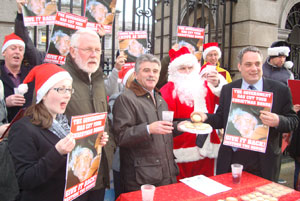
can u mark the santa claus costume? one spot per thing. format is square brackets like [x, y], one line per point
[179, 93]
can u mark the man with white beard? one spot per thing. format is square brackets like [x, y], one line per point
[184, 93]
[89, 97]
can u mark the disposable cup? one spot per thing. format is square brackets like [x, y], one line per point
[167, 116]
[147, 192]
[236, 170]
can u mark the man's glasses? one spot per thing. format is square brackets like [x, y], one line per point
[90, 50]
[61, 90]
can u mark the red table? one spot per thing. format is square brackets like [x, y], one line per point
[180, 191]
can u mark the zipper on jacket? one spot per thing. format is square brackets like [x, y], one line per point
[90, 88]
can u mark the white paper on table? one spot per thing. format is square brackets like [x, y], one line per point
[205, 185]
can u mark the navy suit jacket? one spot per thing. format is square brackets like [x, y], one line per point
[269, 162]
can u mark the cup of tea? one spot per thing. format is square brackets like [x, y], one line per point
[236, 170]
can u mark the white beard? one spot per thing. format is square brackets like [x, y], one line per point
[190, 90]
[83, 65]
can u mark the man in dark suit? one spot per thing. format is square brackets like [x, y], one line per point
[281, 119]
[12, 74]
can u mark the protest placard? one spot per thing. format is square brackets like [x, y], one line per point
[244, 128]
[39, 12]
[84, 160]
[294, 87]
[65, 25]
[192, 38]
[100, 12]
[132, 44]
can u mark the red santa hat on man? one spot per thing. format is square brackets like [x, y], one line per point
[207, 47]
[12, 39]
[181, 57]
[45, 76]
[125, 73]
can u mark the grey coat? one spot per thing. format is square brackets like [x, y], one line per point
[145, 158]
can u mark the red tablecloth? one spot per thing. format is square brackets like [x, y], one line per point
[180, 191]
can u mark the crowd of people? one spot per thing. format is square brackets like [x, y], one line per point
[137, 144]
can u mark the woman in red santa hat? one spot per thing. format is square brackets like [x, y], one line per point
[40, 141]
[211, 54]
[186, 92]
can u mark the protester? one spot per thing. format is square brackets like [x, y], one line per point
[13, 73]
[276, 66]
[3, 111]
[8, 183]
[282, 118]
[211, 54]
[35, 57]
[294, 151]
[184, 93]
[40, 141]
[146, 142]
[83, 64]
[126, 76]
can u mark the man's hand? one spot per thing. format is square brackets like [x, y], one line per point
[101, 30]
[121, 59]
[201, 114]
[269, 118]
[20, 4]
[3, 128]
[212, 77]
[161, 127]
[65, 145]
[175, 47]
[15, 100]
[297, 108]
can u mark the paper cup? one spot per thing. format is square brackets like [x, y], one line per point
[236, 170]
[167, 116]
[147, 192]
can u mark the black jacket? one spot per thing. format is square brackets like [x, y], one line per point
[269, 162]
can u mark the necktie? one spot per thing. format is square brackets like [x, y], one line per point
[251, 87]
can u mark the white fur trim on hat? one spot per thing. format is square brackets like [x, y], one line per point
[57, 77]
[184, 155]
[277, 51]
[207, 50]
[217, 90]
[127, 75]
[12, 42]
[288, 64]
[185, 59]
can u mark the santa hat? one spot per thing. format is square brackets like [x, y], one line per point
[179, 58]
[207, 68]
[46, 76]
[125, 73]
[281, 48]
[210, 47]
[12, 39]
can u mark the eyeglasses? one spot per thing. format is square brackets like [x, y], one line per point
[61, 90]
[90, 50]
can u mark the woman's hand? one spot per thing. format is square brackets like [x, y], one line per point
[65, 145]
